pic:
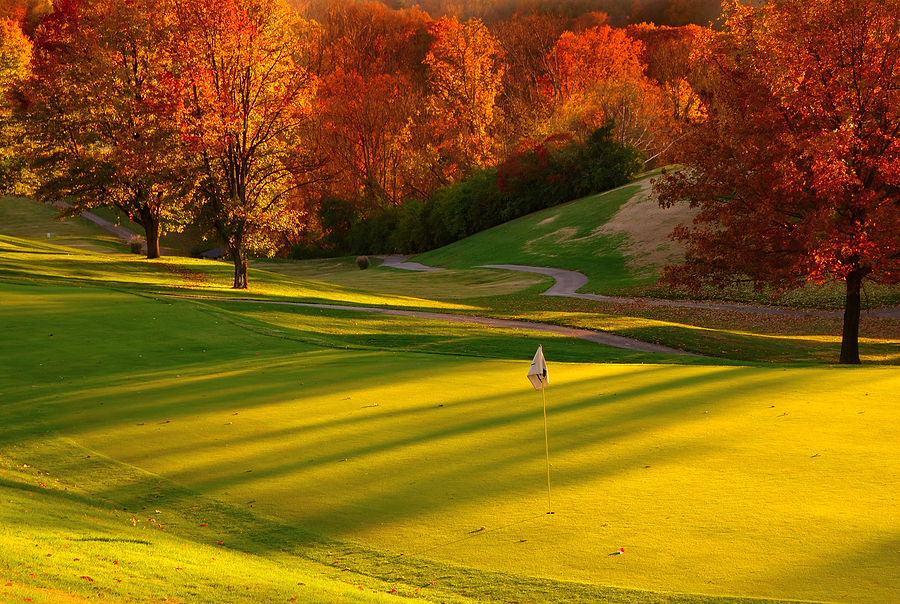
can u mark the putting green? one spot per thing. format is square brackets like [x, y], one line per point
[740, 481]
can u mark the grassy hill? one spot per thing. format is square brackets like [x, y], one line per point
[161, 448]
[618, 239]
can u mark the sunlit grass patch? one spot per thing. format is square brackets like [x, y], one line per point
[72, 546]
[692, 470]
[29, 261]
[340, 463]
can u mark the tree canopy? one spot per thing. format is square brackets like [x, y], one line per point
[248, 117]
[98, 105]
[796, 170]
[248, 93]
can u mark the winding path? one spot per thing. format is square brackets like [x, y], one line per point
[400, 262]
[569, 282]
[120, 232]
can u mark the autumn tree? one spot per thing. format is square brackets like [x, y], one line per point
[465, 71]
[99, 107]
[368, 38]
[528, 41]
[26, 13]
[249, 92]
[15, 61]
[666, 56]
[597, 76]
[367, 125]
[370, 103]
[796, 171]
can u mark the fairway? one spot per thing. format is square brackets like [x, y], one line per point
[728, 481]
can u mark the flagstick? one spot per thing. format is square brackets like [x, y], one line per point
[547, 445]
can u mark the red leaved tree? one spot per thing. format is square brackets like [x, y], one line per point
[597, 76]
[796, 170]
[370, 103]
[528, 41]
[367, 126]
[465, 73]
[15, 64]
[667, 56]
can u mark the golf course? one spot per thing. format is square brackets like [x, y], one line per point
[165, 438]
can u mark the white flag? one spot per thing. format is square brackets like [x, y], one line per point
[537, 373]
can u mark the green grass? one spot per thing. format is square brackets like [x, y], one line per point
[350, 456]
[562, 237]
[394, 460]
[455, 284]
[182, 243]
[24, 218]
[62, 544]
[727, 335]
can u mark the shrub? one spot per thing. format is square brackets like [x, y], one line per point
[337, 217]
[137, 244]
[362, 262]
[561, 168]
[410, 235]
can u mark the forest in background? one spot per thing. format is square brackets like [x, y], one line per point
[374, 127]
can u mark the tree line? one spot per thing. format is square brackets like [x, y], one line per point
[258, 121]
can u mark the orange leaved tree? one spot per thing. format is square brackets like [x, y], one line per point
[248, 93]
[597, 76]
[15, 63]
[796, 169]
[370, 99]
[465, 72]
[100, 112]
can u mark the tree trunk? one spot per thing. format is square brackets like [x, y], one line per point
[240, 267]
[151, 229]
[850, 336]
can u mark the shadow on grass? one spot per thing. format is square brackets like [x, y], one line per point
[206, 521]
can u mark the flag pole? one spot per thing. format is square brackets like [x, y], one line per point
[547, 447]
[539, 378]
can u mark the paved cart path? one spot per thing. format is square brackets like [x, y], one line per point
[567, 283]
